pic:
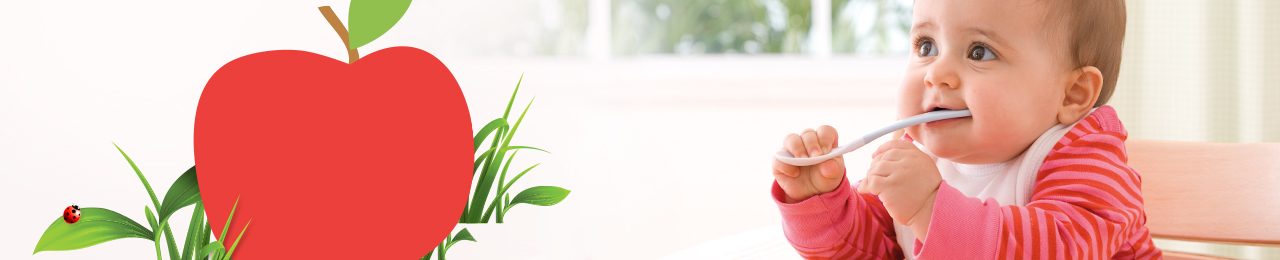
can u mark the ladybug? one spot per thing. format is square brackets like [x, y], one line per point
[71, 214]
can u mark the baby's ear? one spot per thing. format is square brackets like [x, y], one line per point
[1080, 95]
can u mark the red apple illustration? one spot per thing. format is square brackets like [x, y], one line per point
[363, 160]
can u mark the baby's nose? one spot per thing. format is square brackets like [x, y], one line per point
[942, 73]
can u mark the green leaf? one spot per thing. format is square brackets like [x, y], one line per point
[488, 129]
[369, 19]
[184, 192]
[96, 225]
[462, 235]
[541, 196]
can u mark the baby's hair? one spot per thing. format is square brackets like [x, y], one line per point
[1095, 36]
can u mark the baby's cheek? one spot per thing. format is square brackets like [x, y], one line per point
[910, 98]
[1007, 132]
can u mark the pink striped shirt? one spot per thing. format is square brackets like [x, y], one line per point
[1086, 203]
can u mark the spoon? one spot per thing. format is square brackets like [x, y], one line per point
[787, 158]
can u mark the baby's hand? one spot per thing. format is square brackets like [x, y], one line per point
[800, 183]
[905, 179]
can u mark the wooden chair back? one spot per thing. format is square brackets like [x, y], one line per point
[1210, 192]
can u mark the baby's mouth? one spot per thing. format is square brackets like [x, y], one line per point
[945, 122]
[939, 108]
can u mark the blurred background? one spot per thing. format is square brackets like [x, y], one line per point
[660, 115]
[1192, 70]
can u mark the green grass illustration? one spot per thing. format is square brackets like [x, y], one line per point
[490, 172]
[99, 225]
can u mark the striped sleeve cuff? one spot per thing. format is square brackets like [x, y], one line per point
[961, 227]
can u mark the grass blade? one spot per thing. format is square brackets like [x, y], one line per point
[193, 232]
[480, 160]
[440, 248]
[484, 157]
[484, 182]
[157, 225]
[238, 237]
[502, 177]
[507, 187]
[151, 218]
[213, 250]
[182, 193]
[507, 139]
[169, 240]
[155, 201]
[502, 210]
[518, 147]
[488, 129]
[205, 235]
[145, 183]
[513, 97]
[503, 189]
[223, 236]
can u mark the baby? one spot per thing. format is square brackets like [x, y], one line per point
[1038, 172]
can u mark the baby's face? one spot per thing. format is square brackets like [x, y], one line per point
[997, 58]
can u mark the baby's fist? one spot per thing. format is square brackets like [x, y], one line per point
[800, 183]
[905, 179]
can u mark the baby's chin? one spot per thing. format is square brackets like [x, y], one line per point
[959, 152]
[945, 149]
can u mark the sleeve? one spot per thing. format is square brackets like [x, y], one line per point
[840, 224]
[1084, 204]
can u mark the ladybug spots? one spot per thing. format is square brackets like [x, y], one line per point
[71, 214]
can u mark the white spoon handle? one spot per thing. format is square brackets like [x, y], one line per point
[787, 158]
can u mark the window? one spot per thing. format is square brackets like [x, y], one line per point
[711, 27]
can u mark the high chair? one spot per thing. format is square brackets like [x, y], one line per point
[1210, 192]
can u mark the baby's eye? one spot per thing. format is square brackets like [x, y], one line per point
[925, 49]
[981, 53]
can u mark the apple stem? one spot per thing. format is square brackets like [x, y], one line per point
[352, 53]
